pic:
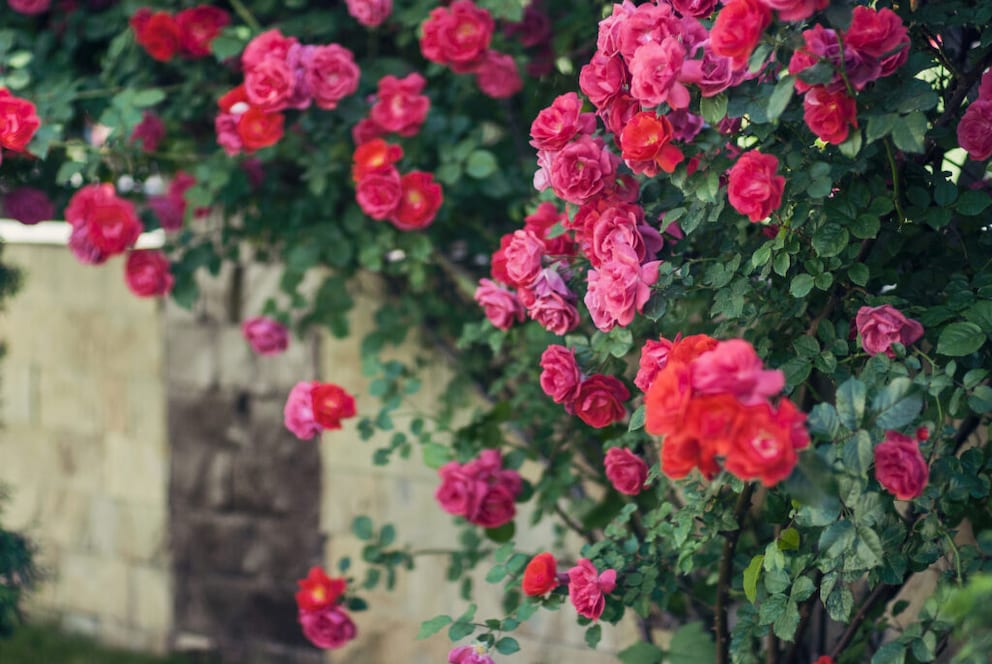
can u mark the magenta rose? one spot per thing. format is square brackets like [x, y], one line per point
[150, 131]
[558, 124]
[496, 507]
[587, 588]
[497, 75]
[795, 10]
[469, 655]
[582, 169]
[523, 257]
[379, 193]
[712, 74]
[331, 75]
[502, 307]
[28, 205]
[626, 471]
[975, 130]
[655, 72]
[30, 7]
[560, 375]
[694, 8]
[370, 13]
[599, 401]
[269, 84]
[880, 35]
[147, 273]
[754, 186]
[647, 24]
[654, 357]
[271, 43]
[882, 326]
[459, 493]
[400, 107]
[900, 466]
[620, 234]
[457, 36]
[265, 335]
[298, 411]
[327, 628]
[603, 79]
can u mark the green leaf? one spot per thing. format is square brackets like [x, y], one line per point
[890, 653]
[858, 274]
[980, 313]
[637, 419]
[980, 401]
[830, 240]
[751, 575]
[908, 134]
[481, 164]
[851, 396]
[780, 97]
[691, 644]
[507, 646]
[362, 528]
[785, 626]
[801, 285]
[973, 203]
[837, 539]
[501, 534]
[788, 540]
[641, 653]
[145, 98]
[594, 635]
[896, 405]
[433, 626]
[460, 630]
[436, 455]
[866, 226]
[959, 339]
[879, 126]
[823, 420]
[713, 109]
[858, 453]
[852, 146]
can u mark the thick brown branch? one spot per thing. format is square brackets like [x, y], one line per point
[881, 593]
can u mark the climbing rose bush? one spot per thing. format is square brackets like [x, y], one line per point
[718, 271]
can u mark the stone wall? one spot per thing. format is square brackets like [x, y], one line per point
[83, 445]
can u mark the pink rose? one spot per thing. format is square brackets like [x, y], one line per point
[370, 13]
[618, 291]
[620, 234]
[28, 205]
[457, 36]
[733, 367]
[713, 74]
[496, 507]
[269, 84]
[654, 357]
[269, 44]
[603, 79]
[497, 75]
[694, 8]
[647, 24]
[626, 471]
[400, 107]
[582, 169]
[900, 467]
[882, 326]
[975, 129]
[523, 258]
[587, 587]
[560, 375]
[30, 7]
[331, 75]
[298, 412]
[198, 27]
[608, 39]
[469, 655]
[556, 313]
[150, 131]
[655, 72]
[265, 335]
[599, 401]
[147, 273]
[754, 186]
[327, 628]
[559, 123]
[879, 34]
[502, 306]
[458, 494]
[379, 193]
[795, 10]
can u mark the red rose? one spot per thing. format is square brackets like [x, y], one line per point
[28, 205]
[667, 399]
[626, 471]
[754, 186]
[711, 422]
[379, 193]
[102, 223]
[259, 129]
[645, 144]
[540, 575]
[18, 121]
[157, 32]
[147, 273]
[560, 375]
[975, 130]
[457, 36]
[457, 493]
[319, 590]
[331, 404]
[198, 26]
[558, 124]
[694, 8]
[738, 29]
[900, 467]
[496, 507]
[762, 447]
[419, 202]
[331, 74]
[879, 34]
[400, 107]
[599, 401]
[828, 115]
[882, 326]
[370, 13]
[327, 628]
[374, 156]
[30, 7]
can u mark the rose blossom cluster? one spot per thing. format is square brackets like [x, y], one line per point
[409, 201]
[587, 587]
[899, 465]
[875, 45]
[712, 399]
[596, 399]
[18, 122]
[188, 33]
[103, 224]
[313, 407]
[325, 623]
[279, 74]
[458, 36]
[481, 491]
[975, 128]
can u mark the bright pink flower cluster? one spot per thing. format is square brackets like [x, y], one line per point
[103, 224]
[712, 400]
[597, 400]
[409, 202]
[170, 207]
[312, 407]
[325, 623]
[874, 45]
[189, 33]
[279, 74]
[975, 129]
[458, 36]
[481, 491]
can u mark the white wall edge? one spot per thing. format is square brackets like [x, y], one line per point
[57, 233]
